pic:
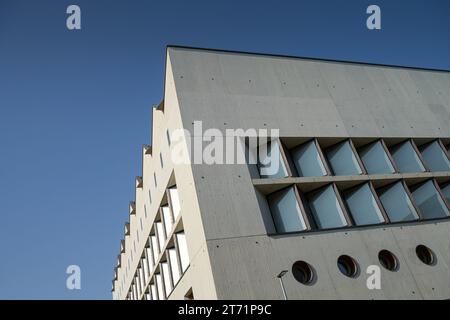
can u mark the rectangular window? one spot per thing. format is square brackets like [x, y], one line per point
[183, 250]
[406, 157]
[363, 206]
[174, 202]
[166, 275]
[154, 291]
[271, 162]
[141, 279]
[161, 160]
[134, 292]
[397, 203]
[145, 268]
[308, 161]
[160, 286]
[429, 201]
[155, 248]
[160, 233]
[435, 157]
[326, 208]
[446, 192]
[286, 212]
[343, 159]
[375, 158]
[173, 257]
[168, 137]
[138, 286]
[167, 216]
[150, 259]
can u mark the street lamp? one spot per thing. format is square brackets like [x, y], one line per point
[280, 277]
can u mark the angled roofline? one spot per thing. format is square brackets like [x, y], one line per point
[263, 54]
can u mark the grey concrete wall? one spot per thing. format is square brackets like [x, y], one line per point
[306, 98]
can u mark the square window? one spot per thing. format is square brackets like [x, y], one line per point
[343, 160]
[286, 212]
[326, 208]
[429, 201]
[397, 203]
[375, 158]
[406, 158]
[435, 157]
[307, 160]
[271, 162]
[363, 206]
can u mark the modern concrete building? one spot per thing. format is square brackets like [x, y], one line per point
[362, 184]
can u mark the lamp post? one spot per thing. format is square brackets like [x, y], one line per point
[280, 277]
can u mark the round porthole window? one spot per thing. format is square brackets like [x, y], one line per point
[426, 255]
[348, 266]
[388, 260]
[303, 272]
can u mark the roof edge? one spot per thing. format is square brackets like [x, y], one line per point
[264, 54]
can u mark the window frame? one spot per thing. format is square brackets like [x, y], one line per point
[355, 153]
[416, 150]
[442, 186]
[303, 212]
[386, 219]
[283, 158]
[386, 150]
[322, 157]
[439, 141]
[440, 193]
[346, 215]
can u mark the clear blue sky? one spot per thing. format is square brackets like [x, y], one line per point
[75, 108]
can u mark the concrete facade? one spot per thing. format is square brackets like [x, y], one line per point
[234, 250]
